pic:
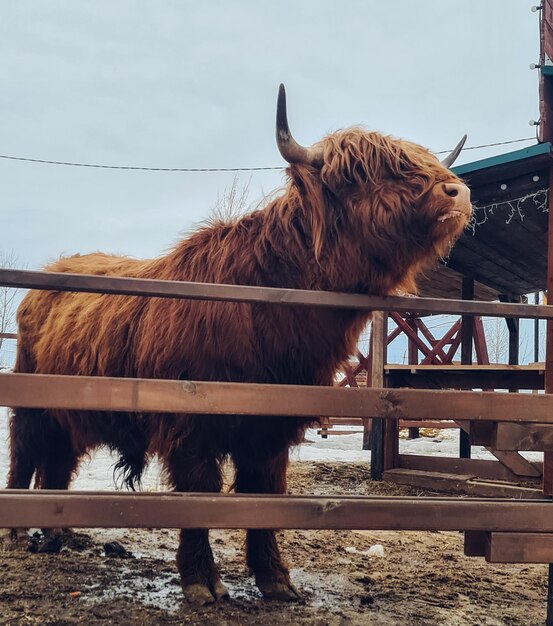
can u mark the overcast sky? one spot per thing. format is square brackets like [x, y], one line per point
[176, 83]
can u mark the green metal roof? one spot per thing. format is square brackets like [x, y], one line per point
[501, 159]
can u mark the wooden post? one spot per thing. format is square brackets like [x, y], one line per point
[548, 456]
[513, 328]
[536, 331]
[378, 431]
[368, 422]
[546, 134]
[412, 359]
[467, 326]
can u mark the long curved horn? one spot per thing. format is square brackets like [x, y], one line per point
[288, 147]
[451, 158]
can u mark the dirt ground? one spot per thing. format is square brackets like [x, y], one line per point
[422, 578]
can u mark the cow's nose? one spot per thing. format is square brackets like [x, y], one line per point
[451, 189]
[460, 192]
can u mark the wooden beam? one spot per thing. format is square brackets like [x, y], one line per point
[8, 336]
[97, 393]
[475, 543]
[509, 547]
[480, 345]
[515, 462]
[458, 483]
[449, 337]
[412, 336]
[536, 437]
[483, 468]
[378, 348]
[481, 433]
[479, 379]
[46, 509]
[53, 281]
[413, 358]
[467, 332]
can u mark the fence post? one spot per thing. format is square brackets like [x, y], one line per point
[378, 344]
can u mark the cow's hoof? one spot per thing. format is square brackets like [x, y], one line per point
[278, 590]
[14, 538]
[52, 541]
[220, 591]
[198, 594]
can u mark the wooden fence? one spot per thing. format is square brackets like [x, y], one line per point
[486, 520]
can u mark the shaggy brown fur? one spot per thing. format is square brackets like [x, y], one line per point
[366, 222]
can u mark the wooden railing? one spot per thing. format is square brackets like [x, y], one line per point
[60, 509]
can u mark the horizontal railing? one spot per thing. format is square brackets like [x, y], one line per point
[98, 393]
[180, 510]
[268, 295]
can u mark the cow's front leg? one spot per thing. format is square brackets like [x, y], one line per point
[200, 579]
[262, 554]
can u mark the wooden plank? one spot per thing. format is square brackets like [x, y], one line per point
[459, 368]
[337, 432]
[466, 484]
[53, 281]
[180, 510]
[537, 437]
[465, 380]
[96, 393]
[481, 433]
[509, 547]
[515, 462]
[358, 421]
[483, 468]
[475, 543]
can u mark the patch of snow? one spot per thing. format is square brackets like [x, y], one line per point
[376, 550]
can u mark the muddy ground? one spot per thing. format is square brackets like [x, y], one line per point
[422, 578]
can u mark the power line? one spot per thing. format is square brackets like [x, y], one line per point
[489, 145]
[205, 169]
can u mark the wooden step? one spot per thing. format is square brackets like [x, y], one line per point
[468, 484]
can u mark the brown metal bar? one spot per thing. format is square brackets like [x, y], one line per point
[53, 281]
[175, 510]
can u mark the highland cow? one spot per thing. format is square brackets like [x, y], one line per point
[361, 213]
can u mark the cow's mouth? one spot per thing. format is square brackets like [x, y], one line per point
[453, 214]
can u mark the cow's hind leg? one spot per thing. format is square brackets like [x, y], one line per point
[25, 446]
[25, 452]
[263, 556]
[200, 579]
[55, 470]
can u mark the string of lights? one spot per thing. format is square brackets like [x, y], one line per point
[513, 207]
[208, 169]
